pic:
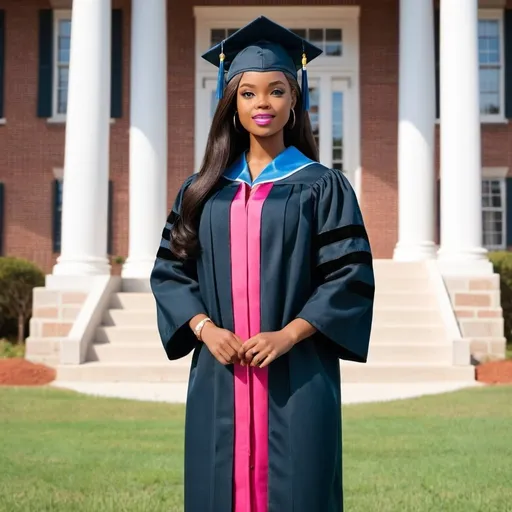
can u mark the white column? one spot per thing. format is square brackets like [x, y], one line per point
[461, 210]
[86, 160]
[148, 135]
[416, 216]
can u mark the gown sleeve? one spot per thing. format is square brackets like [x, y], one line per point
[341, 305]
[175, 287]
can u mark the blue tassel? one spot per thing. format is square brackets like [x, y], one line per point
[304, 85]
[220, 76]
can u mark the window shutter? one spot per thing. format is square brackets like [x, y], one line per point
[2, 61]
[45, 86]
[437, 60]
[2, 220]
[508, 62]
[110, 221]
[508, 206]
[57, 217]
[116, 91]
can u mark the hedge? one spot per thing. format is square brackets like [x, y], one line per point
[502, 262]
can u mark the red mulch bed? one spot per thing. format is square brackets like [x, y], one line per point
[20, 372]
[495, 372]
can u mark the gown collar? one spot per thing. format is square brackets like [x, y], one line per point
[285, 164]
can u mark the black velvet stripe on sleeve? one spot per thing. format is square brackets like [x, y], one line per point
[361, 288]
[166, 234]
[172, 217]
[338, 234]
[165, 254]
[353, 258]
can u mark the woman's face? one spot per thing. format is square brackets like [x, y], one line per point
[264, 101]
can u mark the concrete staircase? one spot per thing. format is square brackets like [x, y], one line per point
[410, 340]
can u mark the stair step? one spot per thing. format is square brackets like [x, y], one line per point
[127, 300]
[177, 371]
[386, 299]
[139, 334]
[402, 284]
[419, 333]
[440, 353]
[406, 316]
[379, 353]
[390, 268]
[130, 317]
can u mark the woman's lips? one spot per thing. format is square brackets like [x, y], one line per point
[263, 119]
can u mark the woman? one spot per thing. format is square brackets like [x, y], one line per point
[265, 272]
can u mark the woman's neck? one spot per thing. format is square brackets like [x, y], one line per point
[262, 151]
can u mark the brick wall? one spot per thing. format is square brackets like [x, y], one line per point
[30, 147]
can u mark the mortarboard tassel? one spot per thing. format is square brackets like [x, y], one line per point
[305, 86]
[220, 76]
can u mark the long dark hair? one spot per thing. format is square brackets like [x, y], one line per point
[225, 144]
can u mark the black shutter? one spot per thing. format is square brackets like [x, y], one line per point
[2, 220]
[45, 86]
[2, 61]
[110, 221]
[508, 213]
[508, 63]
[437, 58]
[57, 215]
[116, 91]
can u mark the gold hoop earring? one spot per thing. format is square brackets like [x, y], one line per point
[234, 123]
[294, 119]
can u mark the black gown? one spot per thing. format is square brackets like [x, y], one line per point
[292, 244]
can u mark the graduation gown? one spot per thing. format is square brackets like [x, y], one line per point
[292, 244]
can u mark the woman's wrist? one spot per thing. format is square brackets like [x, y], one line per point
[298, 330]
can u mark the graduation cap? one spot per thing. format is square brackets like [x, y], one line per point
[262, 45]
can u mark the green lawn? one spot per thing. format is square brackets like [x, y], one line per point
[61, 451]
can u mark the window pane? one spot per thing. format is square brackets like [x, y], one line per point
[333, 37]
[316, 36]
[489, 80]
[217, 35]
[213, 103]
[492, 213]
[301, 32]
[313, 113]
[65, 28]
[337, 130]
[62, 99]
[489, 104]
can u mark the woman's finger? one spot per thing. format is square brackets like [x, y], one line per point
[260, 356]
[268, 360]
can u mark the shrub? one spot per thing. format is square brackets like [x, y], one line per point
[9, 349]
[18, 277]
[502, 262]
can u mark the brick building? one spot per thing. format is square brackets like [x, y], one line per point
[355, 103]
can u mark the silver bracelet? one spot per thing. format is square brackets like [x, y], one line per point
[199, 327]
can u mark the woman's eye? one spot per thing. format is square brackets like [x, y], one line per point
[277, 92]
[247, 94]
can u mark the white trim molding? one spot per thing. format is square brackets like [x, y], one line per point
[494, 172]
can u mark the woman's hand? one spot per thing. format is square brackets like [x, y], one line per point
[223, 344]
[265, 347]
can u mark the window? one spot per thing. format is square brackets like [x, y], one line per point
[57, 215]
[61, 44]
[327, 39]
[493, 213]
[490, 57]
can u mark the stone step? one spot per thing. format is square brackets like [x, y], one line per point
[379, 353]
[134, 334]
[127, 300]
[177, 371]
[404, 299]
[385, 284]
[419, 333]
[130, 317]
[409, 269]
[406, 316]
[407, 334]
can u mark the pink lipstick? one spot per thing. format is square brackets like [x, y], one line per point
[263, 119]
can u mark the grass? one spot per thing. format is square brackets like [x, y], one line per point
[62, 451]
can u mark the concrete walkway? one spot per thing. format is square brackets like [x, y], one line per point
[176, 392]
